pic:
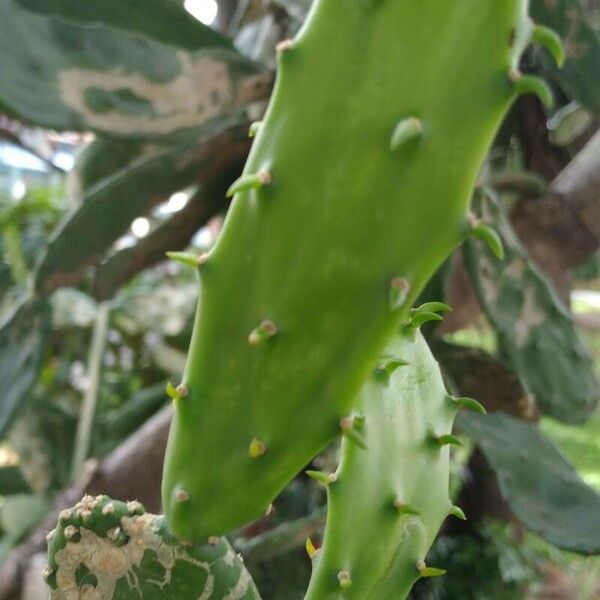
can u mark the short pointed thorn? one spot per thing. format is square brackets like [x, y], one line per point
[531, 84]
[399, 289]
[469, 404]
[405, 509]
[353, 436]
[47, 572]
[182, 495]
[544, 36]
[182, 390]
[386, 369]
[457, 511]
[423, 317]
[311, 550]
[406, 130]
[284, 46]
[323, 478]
[266, 330]
[185, 258]
[432, 307]
[254, 128]
[203, 259]
[172, 391]
[425, 571]
[253, 181]
[359, 421]
[256, 448]
[50, 535]
[489, 236]
[270, 510]
[348, 429]
[447, 440]
[344, 579]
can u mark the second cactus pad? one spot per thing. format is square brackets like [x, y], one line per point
[386, 502]
[356, 189]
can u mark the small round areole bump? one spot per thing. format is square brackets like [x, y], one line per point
[114, 533]
[515, 75]
[65, 515]
[182, 390]
[213, 540]
[346, 423]
[182, 495]
[70, 532]
[267, 329]
[284, 46]
[264, 177]
[256, 448]
[344, 579]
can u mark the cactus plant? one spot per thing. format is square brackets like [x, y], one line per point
[386, 503]
[110, 550]
[323, 251]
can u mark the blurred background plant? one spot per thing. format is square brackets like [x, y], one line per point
[120, 128]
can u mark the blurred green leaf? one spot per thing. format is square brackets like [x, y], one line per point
[163, 20]
[72, 308]
[101, 158]
[116, 424]
[76, 76]
[174, 234]
[110, 206]
[22, 344]
[21, 512]
[535, 332]
[12, 482]
[581, 72]
[542, 488]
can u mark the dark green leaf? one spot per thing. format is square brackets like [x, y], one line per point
[535, 332]
[22, 344]
[12, 482]
[174, 234]
[109, 207]
[68, 75]
[163, 20]
[542, 488]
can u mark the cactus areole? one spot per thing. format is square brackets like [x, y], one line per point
[356, 189]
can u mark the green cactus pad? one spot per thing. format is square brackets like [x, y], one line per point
[338, 239]
[386, 504]
[103, 549]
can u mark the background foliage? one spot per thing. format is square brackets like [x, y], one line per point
[94, 320]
